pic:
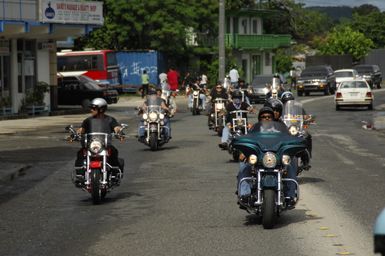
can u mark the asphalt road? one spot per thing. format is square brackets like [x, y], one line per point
[180, 200]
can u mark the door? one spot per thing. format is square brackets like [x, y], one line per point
[257, 65]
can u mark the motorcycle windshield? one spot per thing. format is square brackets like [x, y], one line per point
[153, 100]
[103, 138]
[293, 114]
[269, 136]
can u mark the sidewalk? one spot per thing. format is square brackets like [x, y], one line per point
[65, 117]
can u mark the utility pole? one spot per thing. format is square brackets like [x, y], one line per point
[221, 40]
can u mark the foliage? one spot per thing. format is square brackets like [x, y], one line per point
[284, 61]
[153, 24]
[35, 95]
[371, 25]
[345, 40]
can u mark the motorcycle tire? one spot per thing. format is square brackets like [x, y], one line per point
[153, 141]
[96, 191]
[269, 212]
[236, 155]
[219, 131]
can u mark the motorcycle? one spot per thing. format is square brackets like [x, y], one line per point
[154, 125]
[170, 101]
[197, 105]
[239, 127]
[217, 119]
[268, 150]
[97, 176]
[293, 115]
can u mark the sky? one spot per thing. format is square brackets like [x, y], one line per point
[353, 3]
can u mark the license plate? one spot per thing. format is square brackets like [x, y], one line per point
[353, 93]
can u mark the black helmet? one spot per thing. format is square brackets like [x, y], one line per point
[275, 104]
[286, 96]
[236, 94]
[151, 92]
[264, 110]
[99, 103]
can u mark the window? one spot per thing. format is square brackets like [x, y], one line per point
[267, 59]
[244, 26]
[255, 26]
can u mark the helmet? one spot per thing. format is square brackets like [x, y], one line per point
[151, 92]
[274, 104]
[99, 103]
[264, 110]
[236, 94]
[286, 96]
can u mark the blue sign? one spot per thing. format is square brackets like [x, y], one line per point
[49, 12]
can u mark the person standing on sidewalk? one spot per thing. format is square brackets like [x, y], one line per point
[172, 78]
[145, 83]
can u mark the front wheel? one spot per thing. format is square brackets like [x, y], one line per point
[269, 213]
[153, 141]
[96, 191]
[236, 155]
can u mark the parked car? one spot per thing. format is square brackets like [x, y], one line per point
[345, 75]
[353, 93]
[316, 79]
[260, 86]
[81, 90]
[371, 73]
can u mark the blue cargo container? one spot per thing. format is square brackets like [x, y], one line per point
[132, 63]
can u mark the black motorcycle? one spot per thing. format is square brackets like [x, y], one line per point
[96, 176]
[238, 128]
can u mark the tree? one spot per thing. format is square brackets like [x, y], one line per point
[345, 40]
[371, 25]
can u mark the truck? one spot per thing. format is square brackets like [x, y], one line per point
[132, 63]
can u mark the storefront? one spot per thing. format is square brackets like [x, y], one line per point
[29, 31]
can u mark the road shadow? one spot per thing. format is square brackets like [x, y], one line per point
[110, 198]
[286, 218]
[309, 180]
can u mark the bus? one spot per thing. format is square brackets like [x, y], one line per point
[99, 65]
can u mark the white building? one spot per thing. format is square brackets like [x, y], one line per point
[29, 30]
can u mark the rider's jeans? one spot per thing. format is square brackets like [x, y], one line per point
[167, 128]
[201, 96]
[245, 171]
[225, 134]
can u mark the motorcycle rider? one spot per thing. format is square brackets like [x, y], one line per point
[100, 122]
[217, 92]
[236, 104]
[196, 85]
[153, 97]
[287, 96]
[276, 106]
[265, 114]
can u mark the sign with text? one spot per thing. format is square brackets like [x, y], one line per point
[83, 12]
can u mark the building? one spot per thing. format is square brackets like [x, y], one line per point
[29, 31]
[252, 48]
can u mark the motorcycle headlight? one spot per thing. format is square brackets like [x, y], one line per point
[253, 159]
[195, 93]
[219, 106]
[145, 116]
[161, 116]
[293, 130]
[153, 116]
[239, 122]
[286, 159]
[95, 146]
[269, 160]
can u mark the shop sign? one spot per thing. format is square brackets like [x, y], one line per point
[52, 11]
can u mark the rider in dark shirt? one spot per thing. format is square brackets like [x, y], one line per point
[100, 122]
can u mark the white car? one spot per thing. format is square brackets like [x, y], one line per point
[354, 92]
[345, 75]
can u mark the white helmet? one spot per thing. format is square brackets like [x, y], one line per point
[99, 103]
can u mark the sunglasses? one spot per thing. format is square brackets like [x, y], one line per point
[266, 117]
[93, 108]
